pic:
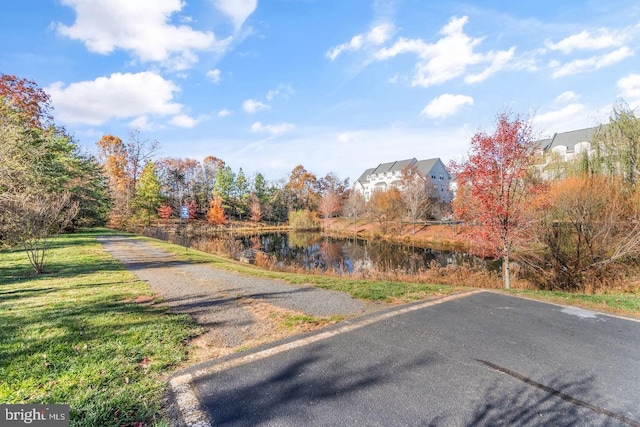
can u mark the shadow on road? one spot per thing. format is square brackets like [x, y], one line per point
[282, 394]
[559, 402]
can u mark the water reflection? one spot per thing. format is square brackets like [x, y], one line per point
[315, 251]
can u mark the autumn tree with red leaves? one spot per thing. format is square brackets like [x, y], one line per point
[496, 186]
[330, 204]
[255, 208]
[164, 211]
[26, 98]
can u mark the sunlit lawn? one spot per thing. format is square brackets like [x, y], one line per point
[76, 336]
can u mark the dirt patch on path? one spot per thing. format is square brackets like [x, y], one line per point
[236, 311]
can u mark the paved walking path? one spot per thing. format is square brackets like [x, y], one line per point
[235, 310]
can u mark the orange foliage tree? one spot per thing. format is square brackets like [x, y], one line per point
[216, 215]
[386, 207]
[113, 155]
[301, 189]
[587, 232]
[123, 164]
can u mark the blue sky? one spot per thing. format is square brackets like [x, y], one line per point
[335, 85]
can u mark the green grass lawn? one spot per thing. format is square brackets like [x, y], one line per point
[76, 336]
[625, 304]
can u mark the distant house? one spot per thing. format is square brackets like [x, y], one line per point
[387, 175]
[563, 148]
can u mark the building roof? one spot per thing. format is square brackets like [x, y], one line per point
[571, 138]
[423, 166]
[398, 165]
[541, 144]
[365, 174]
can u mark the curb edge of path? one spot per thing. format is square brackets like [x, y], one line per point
[185, 397]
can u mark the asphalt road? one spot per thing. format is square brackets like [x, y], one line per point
[481, 359]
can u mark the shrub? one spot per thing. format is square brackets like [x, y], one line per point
[303, 220]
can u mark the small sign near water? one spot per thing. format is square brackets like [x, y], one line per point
[184, 212]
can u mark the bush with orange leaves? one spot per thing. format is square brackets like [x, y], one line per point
[387, 209]
[588, 234]
[216, 215]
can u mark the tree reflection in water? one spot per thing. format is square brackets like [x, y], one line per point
[316, 251]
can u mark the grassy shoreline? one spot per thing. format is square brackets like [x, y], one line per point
[625, 304]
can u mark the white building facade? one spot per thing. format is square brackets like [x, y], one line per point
[387, 175]
[562, 149]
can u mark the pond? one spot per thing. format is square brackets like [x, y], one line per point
[320, 252]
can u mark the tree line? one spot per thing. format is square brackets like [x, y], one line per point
[580, 231]
[143, 188]
[47, 183]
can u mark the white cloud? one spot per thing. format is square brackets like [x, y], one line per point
[282, 90]
[499, 60]
[585, 40]
[446, 105]
[183, 121]
[375, 37]
[252, 106]
[141, 123]
[571, 117]
[274, 130]
[404, 45]
[115, 97]
[214, 75]
[347, 136]
[578, 66]
[237, 10]
[449, 57]
[379, 34]
[630, 87]
[567, 97]
[224, 112]
[141, 28]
